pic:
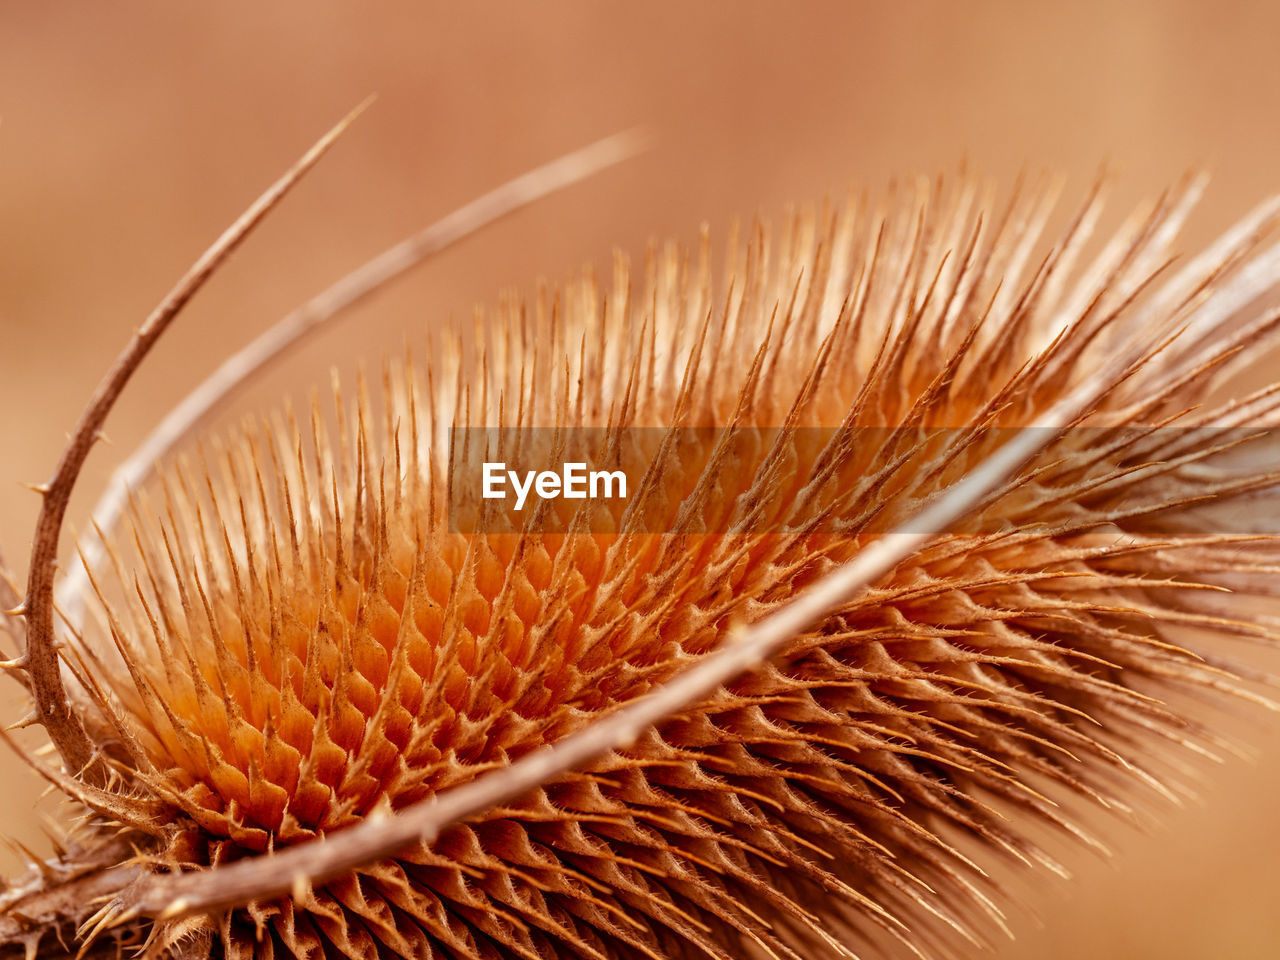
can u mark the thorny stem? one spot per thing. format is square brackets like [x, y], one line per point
[308, 319]
[50, 895]
[380, 836]
[53, 709]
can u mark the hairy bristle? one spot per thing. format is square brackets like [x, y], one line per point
[314, 621]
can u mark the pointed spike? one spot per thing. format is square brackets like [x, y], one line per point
[300, 887]
[176, 908]
[30, 720]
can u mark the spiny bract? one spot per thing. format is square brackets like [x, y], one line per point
[297, 634]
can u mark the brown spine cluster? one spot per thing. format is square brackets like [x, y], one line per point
[295, 644]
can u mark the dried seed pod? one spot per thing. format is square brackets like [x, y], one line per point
[316, 623]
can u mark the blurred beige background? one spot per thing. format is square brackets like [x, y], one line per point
[131, 133]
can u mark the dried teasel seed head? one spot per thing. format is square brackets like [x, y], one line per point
[314, 625]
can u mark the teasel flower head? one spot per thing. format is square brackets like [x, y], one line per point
[920, 555]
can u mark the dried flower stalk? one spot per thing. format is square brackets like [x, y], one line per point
[317, 718]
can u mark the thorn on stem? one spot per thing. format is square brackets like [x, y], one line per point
[31, 719]
[175, 909]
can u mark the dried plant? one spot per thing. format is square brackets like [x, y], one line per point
[937, 573]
